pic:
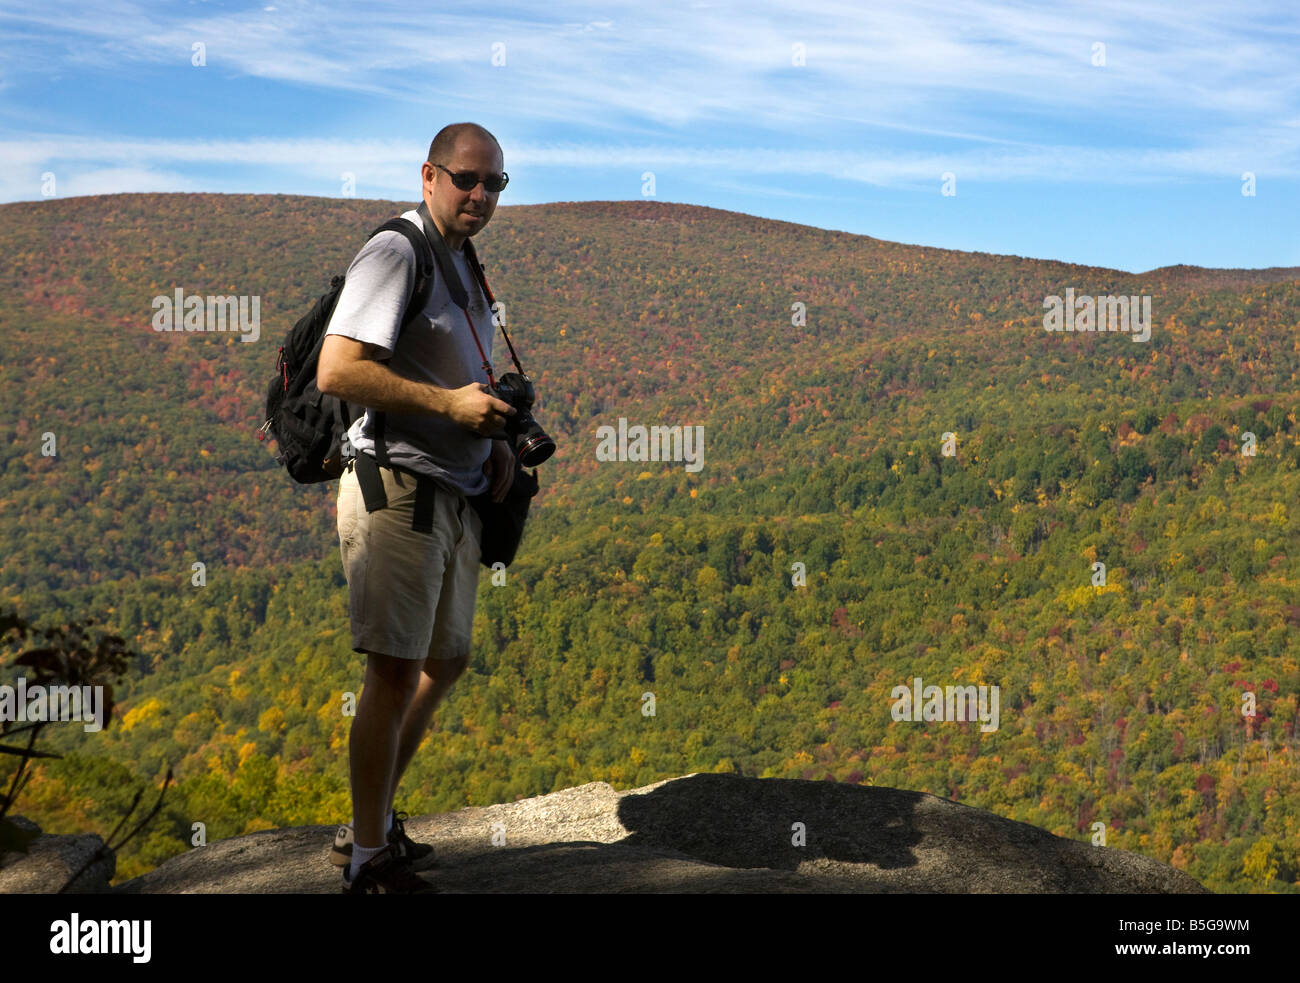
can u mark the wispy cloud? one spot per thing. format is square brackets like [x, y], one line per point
[708, 61]
[727, 96]
[391, 168]
[120, 180]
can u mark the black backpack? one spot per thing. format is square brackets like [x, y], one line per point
[310, 426]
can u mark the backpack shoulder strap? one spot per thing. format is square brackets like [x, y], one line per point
[424, 264]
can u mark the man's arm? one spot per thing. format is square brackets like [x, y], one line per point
[346, 369]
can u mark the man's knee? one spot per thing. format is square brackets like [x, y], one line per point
[389, 679]
[446, 671]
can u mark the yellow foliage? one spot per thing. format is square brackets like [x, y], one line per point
[147, 712]
[1259, 863]
[1084, 595]
[271, 721]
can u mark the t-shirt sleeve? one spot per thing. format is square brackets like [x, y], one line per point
[374, 295]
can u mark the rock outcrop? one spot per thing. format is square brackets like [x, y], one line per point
[701, 833]
[51, 860]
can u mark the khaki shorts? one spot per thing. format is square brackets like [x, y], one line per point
[410, 594]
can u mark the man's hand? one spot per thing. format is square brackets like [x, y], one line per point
[500, 469]
[475, 408]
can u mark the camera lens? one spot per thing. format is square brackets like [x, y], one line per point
[532, 445]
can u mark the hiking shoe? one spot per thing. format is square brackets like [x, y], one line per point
[417, 855]
[384, 873]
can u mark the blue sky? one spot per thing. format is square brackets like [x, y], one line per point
[840, 115]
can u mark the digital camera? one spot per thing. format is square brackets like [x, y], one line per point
[529, 441]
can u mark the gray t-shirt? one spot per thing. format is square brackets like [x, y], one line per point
[436, 347]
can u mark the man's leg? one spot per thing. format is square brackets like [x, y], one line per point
[373, 742]
[453, 627]
[435, 681]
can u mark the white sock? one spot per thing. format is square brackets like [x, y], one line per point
[360, 854]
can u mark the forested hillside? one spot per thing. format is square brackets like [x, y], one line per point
[828, 550]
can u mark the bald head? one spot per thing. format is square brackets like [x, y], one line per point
[444, 144]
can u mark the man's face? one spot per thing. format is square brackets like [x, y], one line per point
[464, 213]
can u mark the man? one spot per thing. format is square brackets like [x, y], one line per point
[411, 593]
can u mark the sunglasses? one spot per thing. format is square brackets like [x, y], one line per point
[468, 180]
